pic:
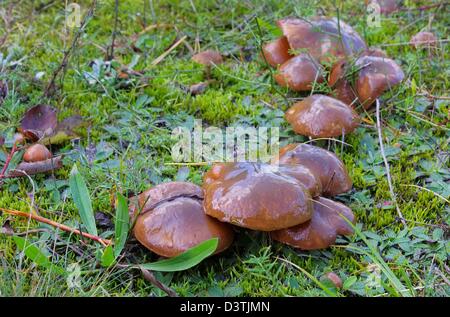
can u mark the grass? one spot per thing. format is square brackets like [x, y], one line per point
[128, 141]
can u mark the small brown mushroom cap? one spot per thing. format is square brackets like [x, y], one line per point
[208, 57]
[299, 73]
[325, 165]
[377, 75]
[322, 37]
[277, 51]
[36, 153]
[386, 6]
[320, 116]
[255, 196]
[177, 222]
[424, 40]
[150, 198]
[321, 231]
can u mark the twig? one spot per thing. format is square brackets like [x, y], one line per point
[48, 91]
[428, 190]
[116, 17]
[388, 173]
[148, 276]
[55, 224]
[8, 160]
[163, 55]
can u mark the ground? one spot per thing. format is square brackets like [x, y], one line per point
[125, 145]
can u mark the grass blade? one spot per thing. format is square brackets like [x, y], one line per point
[108, 257]
[121, 224]
[80, 195]
[186, 260]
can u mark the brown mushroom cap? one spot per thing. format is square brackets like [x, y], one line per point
[342, 89]
[36, 153]
[255, 196]
[321, 231]
[376, 75]
[277, 51]
[177, 222]
[424, 40]
[321, 116]
[299, 73]
[386, 6]
[208, 57]
[325, 165]
[322, 37]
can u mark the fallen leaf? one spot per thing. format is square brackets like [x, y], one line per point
[103, 220]
[24, 168]
[198, 89]
[63, 131]
[6, 228]
[38, 122]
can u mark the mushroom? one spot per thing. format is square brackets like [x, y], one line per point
[36, 153]
[208, 58]
[325, 165]
[172, 220]
[320, 232]
[424, 40]
[373, 76]
[322, 37]
[256, 196]
[320, 116]
[277, 51]
[386, 6]
[299, 73]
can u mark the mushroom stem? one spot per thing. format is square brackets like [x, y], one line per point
[104, 242]
[386, 164]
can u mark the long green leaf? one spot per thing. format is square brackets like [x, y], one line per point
[121, 224]
[80, 195]
[35, 254]
[186, 260]
[108, 258]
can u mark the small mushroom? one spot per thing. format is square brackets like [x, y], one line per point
[172, 220]
[424, 40]
[321, 231]
[36, 153]
[322, 37]
[255, 196]
[299, 73]
[334, 278]
[320, 116]
[376, 76]
[325, 165]
[277, 51]
[386, 6]
[373, 76]
[208, 58]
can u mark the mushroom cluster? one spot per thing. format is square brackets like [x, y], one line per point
[284, 198]
[307, 49]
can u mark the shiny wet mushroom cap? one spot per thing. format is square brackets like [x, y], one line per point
[322, 37]
[36, 153]
[424, 40]
[325, 165]
[255, 196]
[320, 116]
[321, 231]
[386, 6]
[299, 73]
[172, 221]
[208, 57]
[277, 51]
[376, 75]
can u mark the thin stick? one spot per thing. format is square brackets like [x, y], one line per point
[8, 160]
[113, 36]
[391, 188]
[428, 190]
[18, 213]
[163, 55]
[148, 276]
[51, 84]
